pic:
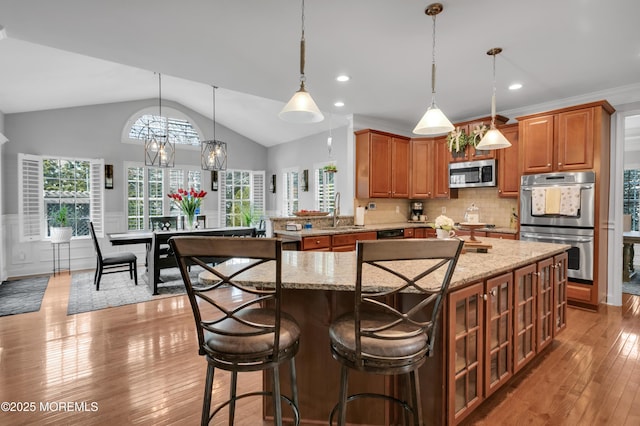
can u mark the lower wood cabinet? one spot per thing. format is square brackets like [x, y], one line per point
[495, 327]
[337, 242]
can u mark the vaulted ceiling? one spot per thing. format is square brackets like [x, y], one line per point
[79, 52]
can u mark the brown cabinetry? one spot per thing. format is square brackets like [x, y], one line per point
[382, 165]
[337, 242]
[571, 139]
[502, 235]
[563, 140]
[319, 243]
[430, 169]
[496, 327]
[508, 164]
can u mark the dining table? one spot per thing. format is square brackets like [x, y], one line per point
[629, 238]
[156, 242]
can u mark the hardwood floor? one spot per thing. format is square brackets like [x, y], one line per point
[138, 364]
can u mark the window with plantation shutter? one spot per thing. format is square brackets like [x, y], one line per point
[30, 208]
[47, 184]
[325, 189]
[241, 191]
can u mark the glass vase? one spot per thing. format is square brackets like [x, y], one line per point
[190, 222]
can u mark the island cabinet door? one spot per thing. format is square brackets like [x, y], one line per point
[545, 304]
[498, 332]
[465, 351]
[524, 312]
[560, 293]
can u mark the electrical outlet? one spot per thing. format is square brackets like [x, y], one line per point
[372, 206]
[397, 209]
[444, 210]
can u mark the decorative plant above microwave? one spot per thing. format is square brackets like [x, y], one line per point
[458, 139]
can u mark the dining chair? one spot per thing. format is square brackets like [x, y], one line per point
[399, 291]
[112, 263]
[253, 336]
[163, 223]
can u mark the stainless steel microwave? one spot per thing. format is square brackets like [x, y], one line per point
[471, 174]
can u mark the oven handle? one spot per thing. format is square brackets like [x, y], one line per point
[529, 188]
[573, 240]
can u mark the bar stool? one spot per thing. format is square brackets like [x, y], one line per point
[254, 336]
[382, 335]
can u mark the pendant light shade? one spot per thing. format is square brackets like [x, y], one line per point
[159, 151]
[433, 122]
[493, 139]
[213, 154]
[301, 108]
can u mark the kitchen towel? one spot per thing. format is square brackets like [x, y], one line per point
[359, 219]
[552, 200]
[570, 200]
[537, 201]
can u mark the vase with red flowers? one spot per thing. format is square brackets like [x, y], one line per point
[188, 202]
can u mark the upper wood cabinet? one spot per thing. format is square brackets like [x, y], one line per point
[430, 169]
[382, 165]
[563, 140]
[508, 164]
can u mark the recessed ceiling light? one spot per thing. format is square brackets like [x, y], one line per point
[515, 86]
[342, 78]
[339, 104]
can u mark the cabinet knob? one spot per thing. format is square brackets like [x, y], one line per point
[548, 164]
[317, 241]
[559, 164]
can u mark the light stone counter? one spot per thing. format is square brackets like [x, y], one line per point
[316, 270]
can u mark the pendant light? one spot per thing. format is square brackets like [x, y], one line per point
[159, 151]
[301, 108]
[213, 152]
[433, 122]
[493, 139]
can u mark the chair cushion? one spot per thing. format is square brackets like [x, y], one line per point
[117, 258]
[246, 345]
[343, 337]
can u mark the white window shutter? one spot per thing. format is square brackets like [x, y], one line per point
[222, 205]
[31, 220]
[258, 191]
[97, 196]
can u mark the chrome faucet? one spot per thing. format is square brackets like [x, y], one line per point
[336, 209]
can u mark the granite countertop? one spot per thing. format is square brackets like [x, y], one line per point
[314, 232]
[337, 270]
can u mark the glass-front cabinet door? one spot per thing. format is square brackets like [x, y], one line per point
[545, 303]
[524, 311]
[560, 292]
[499, 332]
[465, 373]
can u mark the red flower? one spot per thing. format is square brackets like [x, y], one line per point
[187, 201]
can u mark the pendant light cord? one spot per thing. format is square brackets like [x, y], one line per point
[433, 61]
[302, 50]
[493, 96]
[214, 112]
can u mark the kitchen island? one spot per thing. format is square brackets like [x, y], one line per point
[504, 307]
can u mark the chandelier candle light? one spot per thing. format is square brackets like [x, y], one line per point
[213, 152]
[493, 139]
[188, 202]
[433, 122]
[159, 151]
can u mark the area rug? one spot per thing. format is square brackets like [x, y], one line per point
[632, 287]
[22, 296]
[119, 290]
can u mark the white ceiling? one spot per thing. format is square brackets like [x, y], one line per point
[79, 52]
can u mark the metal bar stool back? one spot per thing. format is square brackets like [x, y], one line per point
[400, 286]
[254, 335]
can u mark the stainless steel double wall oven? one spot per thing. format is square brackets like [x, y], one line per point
[575, 229]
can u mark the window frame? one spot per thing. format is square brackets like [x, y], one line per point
[319, 204]
[168, 184]
[256, 190]
[32, 219]
[290, 200]
[171, 113]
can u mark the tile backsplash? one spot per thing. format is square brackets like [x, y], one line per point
[493, 209]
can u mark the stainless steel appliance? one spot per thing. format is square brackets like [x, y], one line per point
[575, 229]
[470, 174]
[390, 234]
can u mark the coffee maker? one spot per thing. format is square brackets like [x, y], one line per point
[416, 210]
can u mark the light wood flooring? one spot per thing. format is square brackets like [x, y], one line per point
[138, 364]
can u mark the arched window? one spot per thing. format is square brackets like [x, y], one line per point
[146, 123]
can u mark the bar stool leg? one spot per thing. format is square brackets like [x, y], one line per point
[233, 395]
[277, 402]
[294, 381]
[208, 387]
[416, 399]
[344, 377]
